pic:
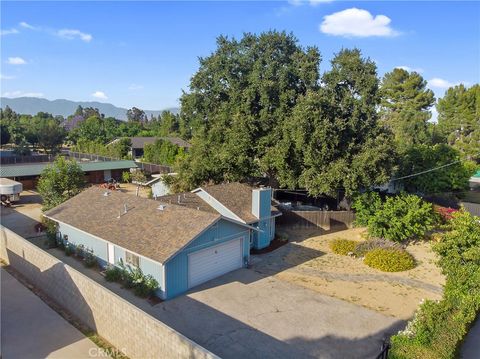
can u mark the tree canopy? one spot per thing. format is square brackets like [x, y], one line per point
[459, 119]
[405, 107]
[60, 181]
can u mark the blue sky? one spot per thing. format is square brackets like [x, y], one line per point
[144, 53]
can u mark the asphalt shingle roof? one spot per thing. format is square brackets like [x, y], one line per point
[143, 229]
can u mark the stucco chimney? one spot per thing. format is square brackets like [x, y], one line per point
[261, 202]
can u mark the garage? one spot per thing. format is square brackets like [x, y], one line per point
[214, 261]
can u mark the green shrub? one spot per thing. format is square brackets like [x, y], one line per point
[69, 249]
[90, 260]
[113, 274]
[365, 206]
[438, 328]
[401, 218]
[80, 251]
[389, 259]
[146, 287]
[362, 248]
[126, 177]
[342, 246]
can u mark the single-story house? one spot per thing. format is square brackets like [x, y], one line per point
[138, 143]
[95, 171]
[238, 201]
[180, 246]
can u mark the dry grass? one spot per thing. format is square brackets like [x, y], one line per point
[394, 294]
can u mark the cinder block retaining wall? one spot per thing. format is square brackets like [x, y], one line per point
[125, 326]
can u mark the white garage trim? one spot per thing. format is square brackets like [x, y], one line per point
[214, 261]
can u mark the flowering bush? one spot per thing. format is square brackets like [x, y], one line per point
[446, 213]
[342, 246]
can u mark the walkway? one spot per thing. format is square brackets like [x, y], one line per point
[471, 346]
[31, 329]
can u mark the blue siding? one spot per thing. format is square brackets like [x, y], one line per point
[265, 202]
[100, 250]
[156, 270]
[77, 237]
[177, 267]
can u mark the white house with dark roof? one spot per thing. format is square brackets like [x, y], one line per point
[180, 246]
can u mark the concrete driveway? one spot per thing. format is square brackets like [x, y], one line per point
[31, 329]
[246, 315]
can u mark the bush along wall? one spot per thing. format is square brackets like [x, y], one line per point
[438, 327]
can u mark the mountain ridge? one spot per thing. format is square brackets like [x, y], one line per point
[63, 107]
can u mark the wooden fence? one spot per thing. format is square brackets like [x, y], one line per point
[326, 220]
[11, 160]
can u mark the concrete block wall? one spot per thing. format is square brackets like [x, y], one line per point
[125, 326]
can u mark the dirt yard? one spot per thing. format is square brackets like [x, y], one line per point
[23, 215]
[308, 261]
[132, 189]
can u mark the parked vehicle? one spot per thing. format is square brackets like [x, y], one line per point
[10, 190]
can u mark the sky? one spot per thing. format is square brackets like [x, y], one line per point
[143, 54]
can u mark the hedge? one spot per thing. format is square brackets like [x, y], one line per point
[438, 327]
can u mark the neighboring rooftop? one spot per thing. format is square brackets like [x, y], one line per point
[140, 142]
[144, 228]
[34, 169]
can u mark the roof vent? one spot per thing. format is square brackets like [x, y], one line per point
[161, 207]
[106, 194]
[125, 208]
[178, 199]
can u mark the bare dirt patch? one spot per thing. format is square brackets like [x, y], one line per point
[131, 188]
[347, 278]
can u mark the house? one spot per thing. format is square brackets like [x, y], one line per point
[138, 143]
[158, 185]
[180, 246]
[238, 201]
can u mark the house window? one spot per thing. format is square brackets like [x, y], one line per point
[132, 259]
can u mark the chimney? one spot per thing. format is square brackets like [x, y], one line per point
[261, 202]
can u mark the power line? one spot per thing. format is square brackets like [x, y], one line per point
[426, 171]
[423, 172]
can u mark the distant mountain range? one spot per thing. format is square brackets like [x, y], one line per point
[33, 105]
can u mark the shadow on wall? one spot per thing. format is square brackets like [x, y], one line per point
[327, 221]
[230, 338]
[49, 281]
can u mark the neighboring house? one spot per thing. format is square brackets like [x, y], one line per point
[240, 202]
[158, 185]
[178, 245]
[95, 171]
[138, 143]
